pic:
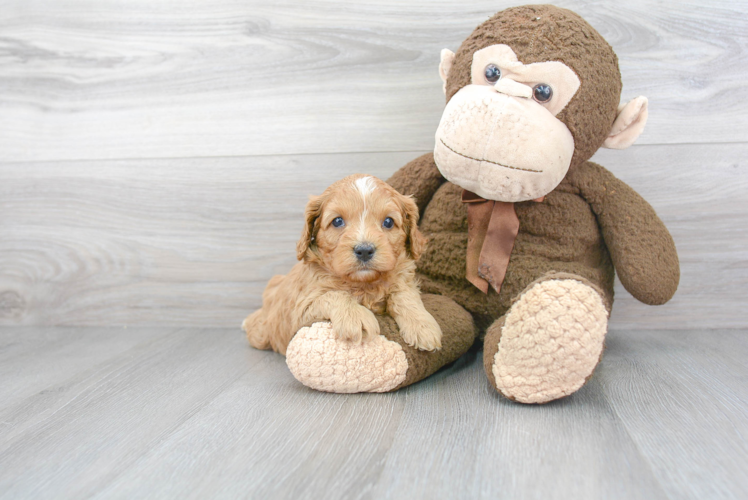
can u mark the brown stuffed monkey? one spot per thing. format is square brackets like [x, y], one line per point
[525, 234]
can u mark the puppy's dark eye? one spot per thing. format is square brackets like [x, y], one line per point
[388, 223]
[492, 73]
[542, 92]
[338, 222]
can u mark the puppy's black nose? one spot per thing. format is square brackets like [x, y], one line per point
[364, 252]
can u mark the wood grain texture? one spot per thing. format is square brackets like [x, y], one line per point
[168, 79]
[103, 419]
[59, 353]
[197, 413]
[676, 382]
[180, 242]
[192, 242]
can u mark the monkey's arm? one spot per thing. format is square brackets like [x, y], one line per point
[418, 178]
[642, 250]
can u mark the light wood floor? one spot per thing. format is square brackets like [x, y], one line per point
[196, 413]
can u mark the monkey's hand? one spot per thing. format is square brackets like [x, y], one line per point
[640, 246]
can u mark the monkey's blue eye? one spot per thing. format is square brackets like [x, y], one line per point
[542, 92]
[338, 222]
[492, 73]
[388, 223]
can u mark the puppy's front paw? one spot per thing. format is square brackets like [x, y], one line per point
[355, 324]
[421, 331]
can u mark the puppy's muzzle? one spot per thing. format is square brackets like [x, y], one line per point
[364, 251]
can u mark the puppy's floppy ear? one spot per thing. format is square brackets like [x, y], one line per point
[311, 215]
[415, 242]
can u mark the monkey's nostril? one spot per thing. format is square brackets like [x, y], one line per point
[364, 252]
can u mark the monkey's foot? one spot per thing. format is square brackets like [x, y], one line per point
[320, 360]
[548, 344]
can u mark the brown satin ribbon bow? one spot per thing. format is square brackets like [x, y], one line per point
[492, 228]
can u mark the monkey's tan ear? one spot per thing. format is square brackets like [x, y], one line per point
[444, 66]
[311, 215]
[629, 124]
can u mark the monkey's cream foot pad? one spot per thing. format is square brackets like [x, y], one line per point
[318, 359]
[551, 341]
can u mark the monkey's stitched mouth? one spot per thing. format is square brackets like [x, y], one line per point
[489, 161]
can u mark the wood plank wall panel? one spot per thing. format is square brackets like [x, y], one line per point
[183, 241]
[192, 242]
[174, 78]
[155, 157]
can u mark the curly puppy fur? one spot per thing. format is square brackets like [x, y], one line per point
[357, 256]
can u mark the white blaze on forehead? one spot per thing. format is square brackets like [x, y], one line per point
[365, 186]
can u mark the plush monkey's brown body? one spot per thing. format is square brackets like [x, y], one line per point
[558, 235]
[561, 234]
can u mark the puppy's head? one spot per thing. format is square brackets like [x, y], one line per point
[360, 228]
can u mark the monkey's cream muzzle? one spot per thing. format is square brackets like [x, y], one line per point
[500, 144]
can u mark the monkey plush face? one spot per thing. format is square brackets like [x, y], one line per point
[532, 92]
[499, 136]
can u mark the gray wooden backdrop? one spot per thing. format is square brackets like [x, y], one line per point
[156, 156]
